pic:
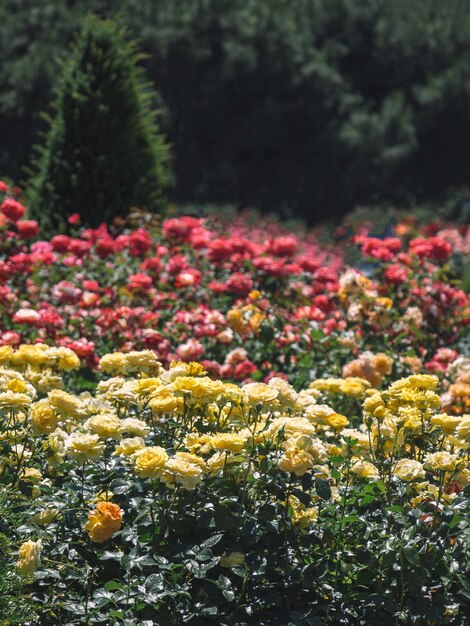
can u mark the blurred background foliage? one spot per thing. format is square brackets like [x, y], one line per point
[309, 107]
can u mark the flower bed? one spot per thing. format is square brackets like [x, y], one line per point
[246, 300]
[220, 422]
[166, 497]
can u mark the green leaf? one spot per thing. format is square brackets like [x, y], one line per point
[323, 488]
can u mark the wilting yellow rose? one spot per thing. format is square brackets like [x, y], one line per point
[409, 469]
[83, 447]
[43, 380]
[149, 462]
[29, 556]
[45, 516]
[304, 518]
[232, 442]
[218, 461]
[43, 417]
[232, 560]
[103, 521]
[31, 475]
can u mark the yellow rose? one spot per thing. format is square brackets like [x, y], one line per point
[201, 388]
[304, 518]
[142, 361]
[134, 426]
[43, 417]
[409, 469]
[232, 442]
[11, 401]
[105, 425]
[218, 461]
[364, 469]
[103, 521]
[463, 429]
[296, 461]
[149, 462]
[441, 461]
[447, 423]
[236, 321]
[337, 421]
[195, 442]
[83, 447]
[259, 393]
[6, 352]
[181, 471]
[114, 363]
[31, 474]
[67, 360]
[127, 447]
[65, 403]
[17, 385]
[29, 556]
[165, 401]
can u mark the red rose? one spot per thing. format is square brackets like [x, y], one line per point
[28, 229]
[12, 209]
[73, 219]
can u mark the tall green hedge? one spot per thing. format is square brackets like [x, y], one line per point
[102, 153]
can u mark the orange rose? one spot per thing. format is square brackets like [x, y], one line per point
[103, 521]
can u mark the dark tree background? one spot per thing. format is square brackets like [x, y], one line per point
[313, 106]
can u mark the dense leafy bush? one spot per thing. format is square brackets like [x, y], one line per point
[313, 105]
[102, 153]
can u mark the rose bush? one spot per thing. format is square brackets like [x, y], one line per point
[166, 497]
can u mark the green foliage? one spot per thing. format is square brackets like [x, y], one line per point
[102, 153]
[313, 105]
[14, 606]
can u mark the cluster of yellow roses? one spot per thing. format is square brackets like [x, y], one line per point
[178, 426]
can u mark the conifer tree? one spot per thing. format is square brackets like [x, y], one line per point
[103, 152]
